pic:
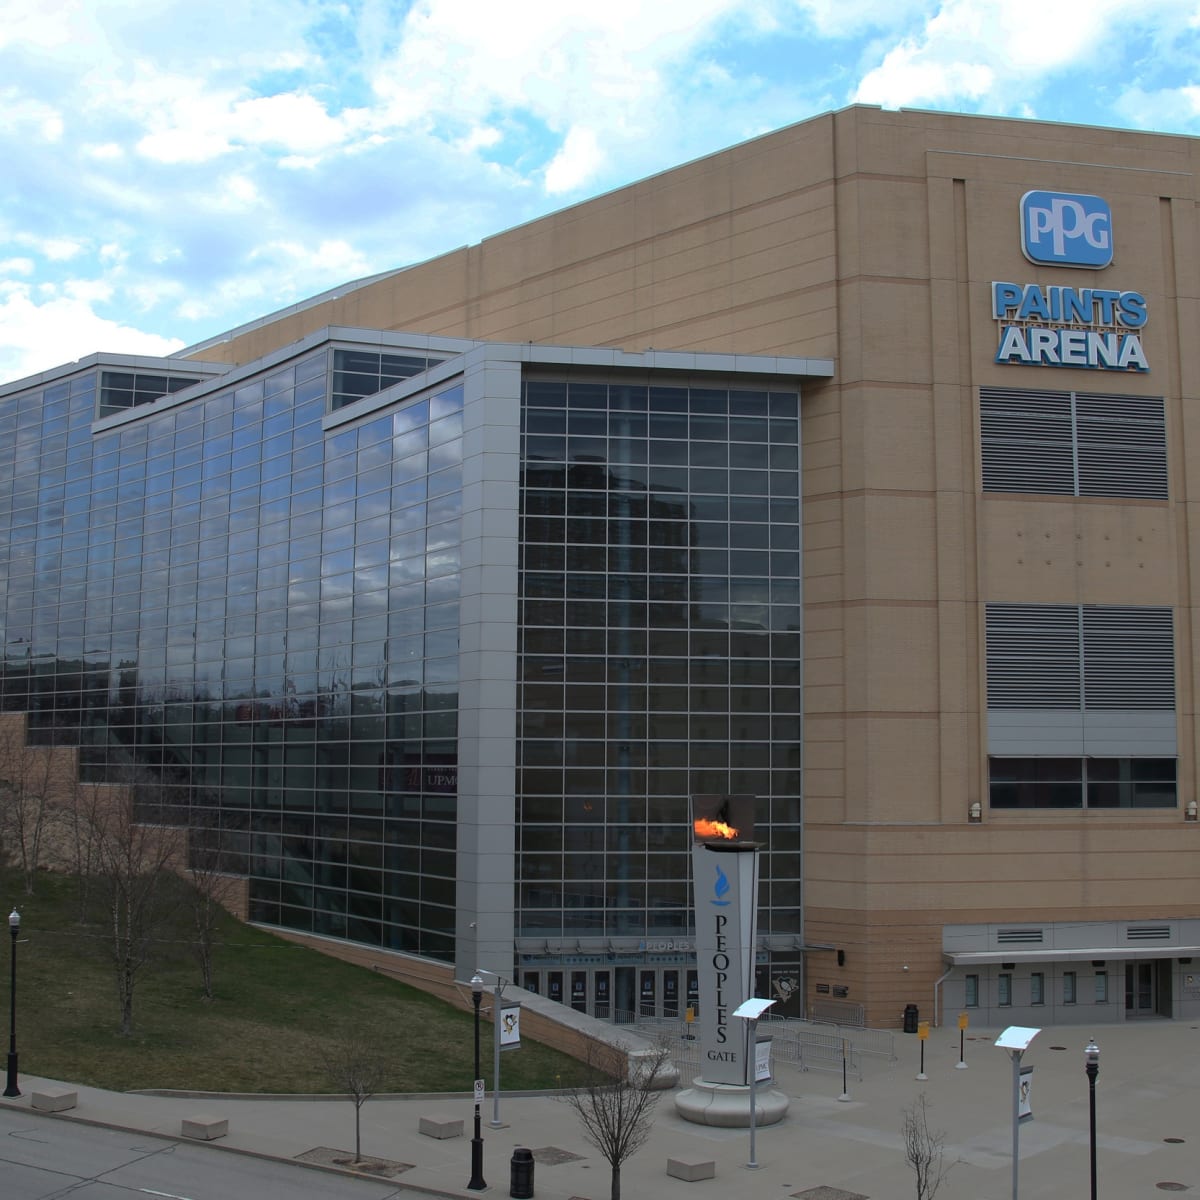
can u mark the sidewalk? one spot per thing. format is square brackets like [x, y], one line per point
[824, 1149]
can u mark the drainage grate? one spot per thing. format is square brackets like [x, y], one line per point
[1172, 1187]
[1174, 1141]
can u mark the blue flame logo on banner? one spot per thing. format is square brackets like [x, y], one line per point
[721, 889]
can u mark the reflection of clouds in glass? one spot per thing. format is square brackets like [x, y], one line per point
[443, 562]
[407, 570]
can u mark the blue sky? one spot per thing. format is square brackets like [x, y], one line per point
[171, 170]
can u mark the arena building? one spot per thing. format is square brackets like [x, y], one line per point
[848, 468]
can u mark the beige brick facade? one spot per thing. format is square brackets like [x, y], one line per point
[871, 238]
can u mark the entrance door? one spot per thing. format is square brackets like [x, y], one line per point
[1141, 988]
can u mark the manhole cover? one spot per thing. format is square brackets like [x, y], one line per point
[1058, 1047]
[1174, 1141]
[1171, 1187]
[828, 1193]
[552, 1156]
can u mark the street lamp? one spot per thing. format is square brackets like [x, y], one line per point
[11, 1089]
[1091, 1058]
[477, 1184]
[750, 1010]
[1015, 1039]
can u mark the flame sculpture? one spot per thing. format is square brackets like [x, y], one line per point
[714, 829]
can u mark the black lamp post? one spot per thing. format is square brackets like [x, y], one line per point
[11, 1089]
[477, 1184]
[1091, 1057]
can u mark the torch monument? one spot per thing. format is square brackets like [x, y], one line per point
[725, 876]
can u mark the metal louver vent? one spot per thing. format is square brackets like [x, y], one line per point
[1096, 657]
[1027, 441]
[1148, 933]
[1073, 443]
[1129, 658]
[1017, 937]
[1033, 658]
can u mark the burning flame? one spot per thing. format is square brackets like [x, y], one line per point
[714, 829]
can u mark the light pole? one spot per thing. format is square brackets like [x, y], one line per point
[1015, 1039]
[477, 1184]
[749, 1011]
[11, 1089]
[1091, 1058]
[497, 1022]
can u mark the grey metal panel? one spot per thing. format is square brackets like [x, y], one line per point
[1072, 940]
[1104, 734]
[488, 665]
[1137, 734]
[966, 958]
[1022, 732]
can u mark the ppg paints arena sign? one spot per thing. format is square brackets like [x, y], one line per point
[1053, 326]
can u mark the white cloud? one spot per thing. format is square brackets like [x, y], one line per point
[200, 179]
[565, 62]
[106, 151]
[579, 160]
[56, 249]
[29, 118]
[333, 256]
[294, 121]
[847, 18]
[89, 291]
[994, 51]
[1160, 109]
[16, 266]
[34, 336]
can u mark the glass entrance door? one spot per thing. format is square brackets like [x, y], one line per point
[1141, 992]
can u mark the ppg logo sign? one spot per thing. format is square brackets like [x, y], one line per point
[1060, 229]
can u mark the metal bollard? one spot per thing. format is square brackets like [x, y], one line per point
[521, 1174]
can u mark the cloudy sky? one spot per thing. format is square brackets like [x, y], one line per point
[169, 170]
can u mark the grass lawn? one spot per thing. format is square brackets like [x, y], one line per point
[278, 1012]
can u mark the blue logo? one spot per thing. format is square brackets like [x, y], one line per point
[1061, 229]
[720, 889]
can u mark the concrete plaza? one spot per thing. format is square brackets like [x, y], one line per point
[827, 1148]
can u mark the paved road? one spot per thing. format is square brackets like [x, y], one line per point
[45, 1159]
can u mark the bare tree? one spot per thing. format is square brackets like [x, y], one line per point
[616, 1106]
[925, 1149]
[80, 822]
[209, 884]
[28, 778]
[355, 1066]
[134, 853]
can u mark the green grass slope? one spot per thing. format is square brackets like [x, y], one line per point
[278, 1013]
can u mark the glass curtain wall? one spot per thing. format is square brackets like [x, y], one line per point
[660, 647]
[260, 617]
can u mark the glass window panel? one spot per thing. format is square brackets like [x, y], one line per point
[1069, 987]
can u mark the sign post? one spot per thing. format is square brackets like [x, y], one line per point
[1015, 1039]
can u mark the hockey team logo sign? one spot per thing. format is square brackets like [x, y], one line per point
[1062, 229]
[1040, 325]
